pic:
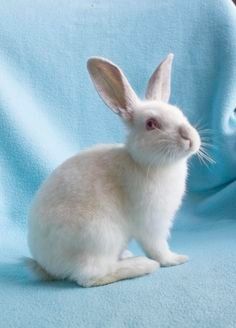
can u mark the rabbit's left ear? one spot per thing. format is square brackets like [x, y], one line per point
[159, 85]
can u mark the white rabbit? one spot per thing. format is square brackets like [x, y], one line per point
[92, 205]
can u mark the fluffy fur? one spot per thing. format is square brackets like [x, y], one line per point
[91, 206]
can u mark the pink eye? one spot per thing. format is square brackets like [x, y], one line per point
[152, 124]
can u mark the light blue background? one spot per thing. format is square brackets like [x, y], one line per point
[50, 111]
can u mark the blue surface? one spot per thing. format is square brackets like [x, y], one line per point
[49, 111]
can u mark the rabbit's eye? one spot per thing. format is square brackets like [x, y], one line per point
[152, 124]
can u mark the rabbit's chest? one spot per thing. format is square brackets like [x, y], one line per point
[157, 196]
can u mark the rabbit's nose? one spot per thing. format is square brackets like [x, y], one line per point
[185, 133]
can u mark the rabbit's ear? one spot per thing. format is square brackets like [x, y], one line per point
[159, 84]
[112, 85]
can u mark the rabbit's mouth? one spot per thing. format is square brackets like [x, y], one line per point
[195, 145]
[187, 144]
[190, 139]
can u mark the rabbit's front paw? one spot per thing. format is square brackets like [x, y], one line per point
[172, 259]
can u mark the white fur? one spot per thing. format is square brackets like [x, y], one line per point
[92, 205]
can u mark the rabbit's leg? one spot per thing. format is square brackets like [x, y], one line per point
[96, 273]
[158, 249]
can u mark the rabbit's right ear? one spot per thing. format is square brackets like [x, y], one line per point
[112, 86]
[159, 84]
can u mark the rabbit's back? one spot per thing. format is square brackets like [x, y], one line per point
[82, 182]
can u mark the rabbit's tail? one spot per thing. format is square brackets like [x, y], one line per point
[39, 271]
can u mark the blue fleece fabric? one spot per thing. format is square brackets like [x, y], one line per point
[50, 111]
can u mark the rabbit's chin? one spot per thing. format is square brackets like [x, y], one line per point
[155, 160]
[170, 156]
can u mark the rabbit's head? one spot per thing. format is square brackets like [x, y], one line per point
[159, 133]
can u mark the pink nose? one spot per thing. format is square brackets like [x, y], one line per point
[185, 134]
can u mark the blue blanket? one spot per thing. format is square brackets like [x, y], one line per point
[50, 111]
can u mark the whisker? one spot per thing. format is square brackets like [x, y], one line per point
[202, 160]
[208, 145]
[205, 155]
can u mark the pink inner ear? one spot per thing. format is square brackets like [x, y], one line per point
[159, 84]
[152, 123]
